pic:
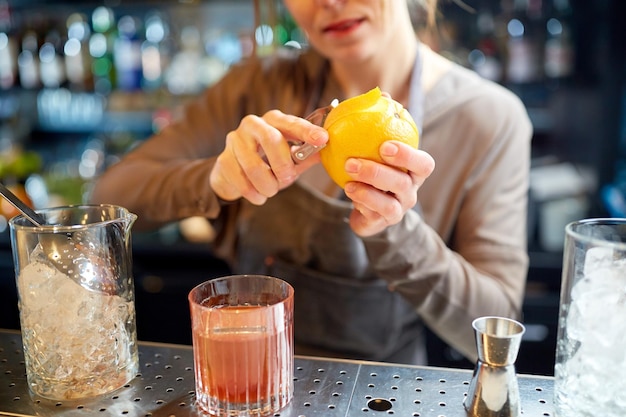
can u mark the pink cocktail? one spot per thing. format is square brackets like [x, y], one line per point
[243, 344]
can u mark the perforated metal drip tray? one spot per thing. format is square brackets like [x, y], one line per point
[323, 387]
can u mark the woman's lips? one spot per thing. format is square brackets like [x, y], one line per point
[344, 26]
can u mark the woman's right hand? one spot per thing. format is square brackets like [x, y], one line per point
[256, 162]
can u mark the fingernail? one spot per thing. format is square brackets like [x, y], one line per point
[319, 136]
[388, 149]
[350, 187]
[353, 165]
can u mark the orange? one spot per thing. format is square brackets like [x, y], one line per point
[358, 126]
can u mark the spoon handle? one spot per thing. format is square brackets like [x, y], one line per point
[21, 206]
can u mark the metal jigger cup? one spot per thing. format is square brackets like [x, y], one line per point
[494, 390]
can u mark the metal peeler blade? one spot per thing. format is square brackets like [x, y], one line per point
[318, 117]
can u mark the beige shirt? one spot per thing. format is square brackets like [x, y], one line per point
[459, 255]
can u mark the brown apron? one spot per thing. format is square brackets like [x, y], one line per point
[341, 308]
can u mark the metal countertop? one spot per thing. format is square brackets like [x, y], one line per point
[323, 387]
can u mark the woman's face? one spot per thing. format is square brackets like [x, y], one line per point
[349, 30]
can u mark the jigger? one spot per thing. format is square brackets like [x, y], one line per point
[494, 390]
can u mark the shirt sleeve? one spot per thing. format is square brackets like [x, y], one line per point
[166, 177]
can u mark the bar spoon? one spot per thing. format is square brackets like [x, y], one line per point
[66, 251]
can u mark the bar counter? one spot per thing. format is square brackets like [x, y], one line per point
[324, 387]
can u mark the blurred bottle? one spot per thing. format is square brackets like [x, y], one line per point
[225, 47]
[52, 60]
[183, 75]
[76, 50]
[8, 48]
[28, 60]
[288, 33]
[127, 54]
[524, 45]
[559, 50]
[155, 52]
[101, 49]
[486, 58]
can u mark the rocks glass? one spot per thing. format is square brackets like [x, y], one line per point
[242, 329]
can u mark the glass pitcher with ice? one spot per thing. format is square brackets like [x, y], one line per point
[591, 342]
[76, 299]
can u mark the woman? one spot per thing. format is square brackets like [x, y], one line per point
[373, 265]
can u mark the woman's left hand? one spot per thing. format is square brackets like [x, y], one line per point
[383, 193]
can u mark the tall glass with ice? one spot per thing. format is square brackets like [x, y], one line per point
[76, 300]
[591, 342]
[242, 328]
